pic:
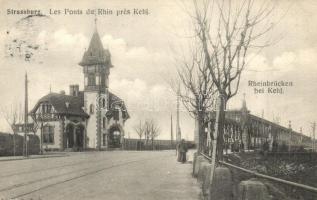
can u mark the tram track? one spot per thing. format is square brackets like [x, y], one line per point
[96, 162]
[81, 171]
[45, 169]
[41, 179]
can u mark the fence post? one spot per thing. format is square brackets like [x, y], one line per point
[252, 189]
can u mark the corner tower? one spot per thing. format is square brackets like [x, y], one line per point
[96, 63]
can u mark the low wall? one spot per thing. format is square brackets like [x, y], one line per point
[140, 145]
[225, 184]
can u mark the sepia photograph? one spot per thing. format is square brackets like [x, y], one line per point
[158, 100]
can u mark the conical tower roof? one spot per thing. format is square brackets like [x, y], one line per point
[96, 54]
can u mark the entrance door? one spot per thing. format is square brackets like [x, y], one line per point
[115, 137]
[80, 137]
[69, 139]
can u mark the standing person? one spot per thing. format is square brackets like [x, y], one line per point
[182, 151]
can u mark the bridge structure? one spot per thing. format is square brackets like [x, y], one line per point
[245, 131]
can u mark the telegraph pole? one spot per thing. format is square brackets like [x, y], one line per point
[26, 115]
[172, 130]
[178, 129]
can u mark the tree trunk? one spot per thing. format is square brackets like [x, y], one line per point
[140, 144]
[214, 156]
[220, 141]
[201, 138]
[196, 134]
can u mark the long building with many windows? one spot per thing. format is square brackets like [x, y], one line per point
[252, 132]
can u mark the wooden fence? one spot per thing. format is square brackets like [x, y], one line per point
[11, 144]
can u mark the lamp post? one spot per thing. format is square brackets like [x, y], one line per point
[26, 115]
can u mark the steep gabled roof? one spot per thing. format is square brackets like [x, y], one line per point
[58, 101]
[96, 54]
[76, 104]
[115, 100]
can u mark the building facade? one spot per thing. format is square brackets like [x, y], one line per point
[252, 132]
[90, 119]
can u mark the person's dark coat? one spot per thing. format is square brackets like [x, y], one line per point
[182, 151]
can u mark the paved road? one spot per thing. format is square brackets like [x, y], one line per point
[99, 175]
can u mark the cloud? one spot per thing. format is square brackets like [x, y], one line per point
[140, 96]
[132, 62]
[285, 61]
[307, 57]
[136, 76]
[303, 59]
[257, 62]
[62, 38]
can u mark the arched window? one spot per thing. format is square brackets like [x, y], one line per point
[91, 109]
[103, 122]
[103, 103]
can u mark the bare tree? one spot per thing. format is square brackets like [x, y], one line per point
[139, 129]
[227, 30]
[151, 131]
[154, 131]
[196, 89]
[12, 117]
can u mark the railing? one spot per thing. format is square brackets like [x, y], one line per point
[302, 186]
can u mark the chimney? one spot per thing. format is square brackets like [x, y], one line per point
[74, 90]
[62, 92]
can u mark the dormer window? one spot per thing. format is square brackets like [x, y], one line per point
[46, 108]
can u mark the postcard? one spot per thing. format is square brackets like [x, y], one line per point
[146, 99]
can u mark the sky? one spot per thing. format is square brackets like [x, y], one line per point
[143, 49]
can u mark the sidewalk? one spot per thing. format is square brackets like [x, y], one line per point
[166, 179]
[48, 155]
